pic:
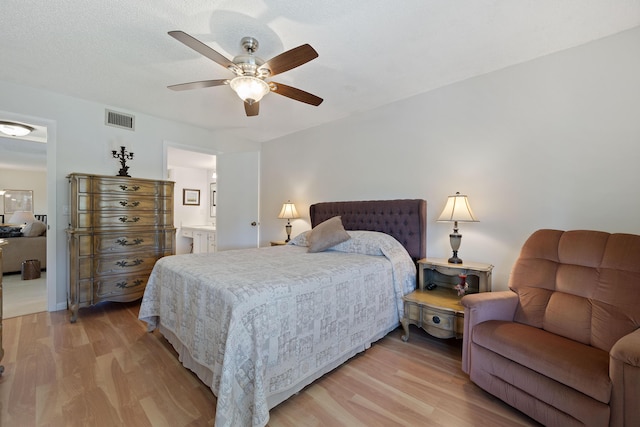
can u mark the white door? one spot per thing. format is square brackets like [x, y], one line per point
[238, 200]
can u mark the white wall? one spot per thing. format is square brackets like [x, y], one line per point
[82, 143]
[551, 143]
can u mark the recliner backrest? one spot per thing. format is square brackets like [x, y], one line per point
[581, 284]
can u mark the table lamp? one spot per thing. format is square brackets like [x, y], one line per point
[288, 212]
[456, 209]
[22, 217]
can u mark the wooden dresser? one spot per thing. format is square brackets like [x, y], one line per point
[118, 228]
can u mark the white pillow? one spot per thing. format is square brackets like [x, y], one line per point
[34, 229]
[301, 239]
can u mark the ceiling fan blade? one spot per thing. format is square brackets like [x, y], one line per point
[290, 59]
[297, 94]
[199, 85]
[251, 110]
[202, 48]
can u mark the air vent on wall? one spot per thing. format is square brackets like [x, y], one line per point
[119, 120]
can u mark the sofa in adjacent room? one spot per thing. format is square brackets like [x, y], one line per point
[563, 344]
[24, 243]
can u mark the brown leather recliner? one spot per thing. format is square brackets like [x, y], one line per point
[563, 344]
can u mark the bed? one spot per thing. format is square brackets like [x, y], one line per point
[258, 325]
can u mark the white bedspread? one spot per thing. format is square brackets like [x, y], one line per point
[266, 322]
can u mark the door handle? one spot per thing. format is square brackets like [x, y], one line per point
[253, 224]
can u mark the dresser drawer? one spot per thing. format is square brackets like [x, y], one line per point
[114, 243]
[117, 287]
[126, 186]
[112, 288]
[129, 203]
[127, 242]
[108, 219]
[124, 264]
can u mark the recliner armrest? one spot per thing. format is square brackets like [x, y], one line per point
[485, 306]
[627, 349]
[624, 371]
[481, 307]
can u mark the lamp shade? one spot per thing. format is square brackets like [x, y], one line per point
[288, 211]
[457, 209]
[22, 217]
[249, 89]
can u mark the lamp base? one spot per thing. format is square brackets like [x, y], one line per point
[288, 229]
[455, 238]
[454, 259]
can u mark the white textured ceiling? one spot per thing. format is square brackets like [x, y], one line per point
[371, 52]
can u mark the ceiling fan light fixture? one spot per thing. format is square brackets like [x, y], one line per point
[252, 73]
[250, 89]
[15, 129]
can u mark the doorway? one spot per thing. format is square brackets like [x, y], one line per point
[30, 162]
[237, 195]
[196, 173]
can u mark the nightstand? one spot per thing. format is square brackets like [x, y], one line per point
[437, 309]
[278, 243]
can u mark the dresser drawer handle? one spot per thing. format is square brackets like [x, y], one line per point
[436, 319]
[125, 264]
[127, 188]
[125, 242]
[129, 205]
[123, 285]
[126, 219]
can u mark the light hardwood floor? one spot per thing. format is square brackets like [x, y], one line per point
[106, 370]
[22, 297]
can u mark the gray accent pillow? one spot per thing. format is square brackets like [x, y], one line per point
[327, 234]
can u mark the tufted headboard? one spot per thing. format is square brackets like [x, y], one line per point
[404, 219]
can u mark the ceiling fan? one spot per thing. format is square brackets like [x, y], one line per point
[250, 82]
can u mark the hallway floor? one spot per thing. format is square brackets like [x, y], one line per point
[22, 297]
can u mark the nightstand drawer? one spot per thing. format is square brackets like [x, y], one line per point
[438, 319]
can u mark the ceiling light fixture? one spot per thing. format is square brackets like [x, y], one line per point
[15, 129]
[250, 89]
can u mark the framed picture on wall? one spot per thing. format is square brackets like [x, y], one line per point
[190, 197]
[18, 200]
